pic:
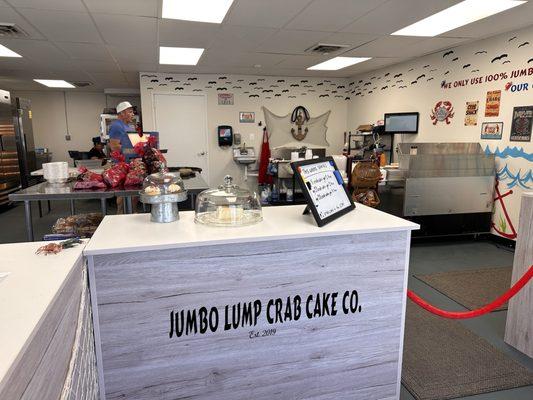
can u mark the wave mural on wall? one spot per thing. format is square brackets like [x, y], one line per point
[513, 179]
[501, 221]
[513, 152]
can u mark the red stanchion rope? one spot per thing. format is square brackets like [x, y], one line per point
[480, 311]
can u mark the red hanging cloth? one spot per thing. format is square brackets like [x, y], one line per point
[263, 177]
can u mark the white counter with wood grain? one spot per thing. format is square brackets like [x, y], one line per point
[41, 305]
[519, 326]
[277, 310]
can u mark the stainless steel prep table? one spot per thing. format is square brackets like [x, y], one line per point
[46, 191]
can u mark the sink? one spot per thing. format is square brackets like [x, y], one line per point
[244, 155]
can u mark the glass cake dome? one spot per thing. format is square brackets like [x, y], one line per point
[229, 205]
[163, 183]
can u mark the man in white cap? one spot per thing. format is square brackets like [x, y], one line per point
[119, 140]
[118, 131]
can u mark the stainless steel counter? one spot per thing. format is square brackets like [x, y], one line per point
[46, 191]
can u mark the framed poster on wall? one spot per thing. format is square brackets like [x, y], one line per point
[246, 117]
[471, 113]
[522, 121]
[491, 130]
[492, 105]
[225, 99]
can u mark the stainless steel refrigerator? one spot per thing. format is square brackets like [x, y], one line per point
[17, 148]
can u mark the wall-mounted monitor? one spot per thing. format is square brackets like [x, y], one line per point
[402, 122]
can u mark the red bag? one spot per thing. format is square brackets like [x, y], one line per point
[87, 175]
[115, 176]
[89, 185]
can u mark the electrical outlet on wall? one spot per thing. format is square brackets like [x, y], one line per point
[67, 137]
[252, 137]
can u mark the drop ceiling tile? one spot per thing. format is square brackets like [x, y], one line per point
[396, 14]
[136, 67]
[387, 46]
[432, 45]
[373, 64]
[350, 39]
[291, 42]
[73, 76]
[176, 33]
[56, 5]
[122, 29]
[332, 15]
[141, 8]
[8, 14]
[136, 55]
[216, 57]
[302, 62]
[107, 79]
[39, 51]
[12, 84]
[132, 78]
[63, 26]
[97, 66]
[85, 51]
[9, 63]
[262, 13]
[240, 37]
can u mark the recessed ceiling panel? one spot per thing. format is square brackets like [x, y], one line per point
[265, 13]
[174, 33]
[125, 29]
[396, 14]
[57, 5]
[140, 8]
[63, 26]
[241, 38]
[85, 51]
[332, 16]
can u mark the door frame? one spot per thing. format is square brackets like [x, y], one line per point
[206, 138]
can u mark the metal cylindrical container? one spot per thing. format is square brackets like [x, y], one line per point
[164, 212]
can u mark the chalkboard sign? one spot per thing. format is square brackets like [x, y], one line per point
[323, 188]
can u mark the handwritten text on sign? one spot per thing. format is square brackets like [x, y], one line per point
[326, 191]
[248, 314]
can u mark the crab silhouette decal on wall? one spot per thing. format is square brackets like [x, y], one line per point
[443, 112]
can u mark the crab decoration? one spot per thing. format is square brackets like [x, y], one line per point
[54, 248]
[442, 112]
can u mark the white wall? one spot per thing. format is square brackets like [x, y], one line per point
[474, 60]
[83, 111]
[221, 160]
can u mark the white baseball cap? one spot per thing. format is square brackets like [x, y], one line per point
[123, 106]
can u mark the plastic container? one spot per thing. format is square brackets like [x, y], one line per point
[56, 172]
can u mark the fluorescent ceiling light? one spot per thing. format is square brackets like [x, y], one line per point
[463, 13]
[179, 55]
[212, 11]
[338, 63]
[55, 83]
[5, 52]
